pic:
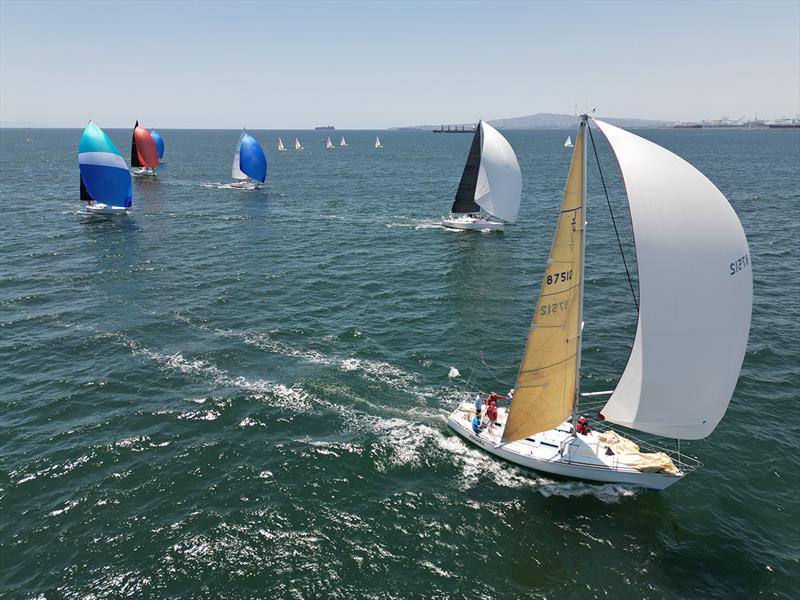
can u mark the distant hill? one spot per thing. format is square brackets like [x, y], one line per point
[553, 121]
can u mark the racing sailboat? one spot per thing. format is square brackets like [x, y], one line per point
[328, 144]
[568, 142]
[695, 301]
[343, 143]
[249, 163]
[378, 142]
[144, 152]
[297, 145]
[281, 147]
[105, 178]
[490, 184]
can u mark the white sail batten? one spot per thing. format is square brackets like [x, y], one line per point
[499, 184]
[236, 172]
[696, 294]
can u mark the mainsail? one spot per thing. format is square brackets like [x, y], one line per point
[499, 183]
[547, 382]
[144, 152]
[104, 175]
[695, 295]
[465, 195]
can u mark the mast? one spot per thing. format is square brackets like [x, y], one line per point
[575, 402]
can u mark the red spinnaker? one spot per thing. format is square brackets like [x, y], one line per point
[145, 147]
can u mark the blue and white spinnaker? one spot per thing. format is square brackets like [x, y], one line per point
[249, 161]
[105, 178]
[159, 143]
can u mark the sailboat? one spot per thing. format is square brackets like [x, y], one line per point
[249, 163]
[378, 142]
[568, 142]
[281, 147]
[105, 178]
[343, 143]
[695, 301]
[159, 144]
[144, 152]
[328, 143]
[491, 181]
[297, 145]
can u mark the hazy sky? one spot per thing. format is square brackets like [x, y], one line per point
[381, 64]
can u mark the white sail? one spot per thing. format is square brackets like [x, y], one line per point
[378, 142]
[499, 184]
[328, 143]
[343, 143]
[281, 147]
[236, 172]
[696, 294]
[297, 145]
[568, 142]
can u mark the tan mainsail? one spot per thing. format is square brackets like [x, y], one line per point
[546, 384]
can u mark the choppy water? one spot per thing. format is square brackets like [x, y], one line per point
[242, 394]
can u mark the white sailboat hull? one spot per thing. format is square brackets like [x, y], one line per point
[247, 184]
[470, 223]
[143, 172]
[104, 209]
[557, 452]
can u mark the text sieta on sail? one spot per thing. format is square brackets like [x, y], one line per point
[249, 163]
[105, 178]
[695, 301]
[489, 191]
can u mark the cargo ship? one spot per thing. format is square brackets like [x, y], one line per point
[325, 128]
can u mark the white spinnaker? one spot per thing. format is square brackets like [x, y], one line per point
[236, 172]
[499, 184]
[695, 295]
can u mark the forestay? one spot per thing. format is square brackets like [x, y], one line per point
[547, 380]
[696, 292]
[499, 183]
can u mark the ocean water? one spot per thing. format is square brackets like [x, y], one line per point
[243, 394]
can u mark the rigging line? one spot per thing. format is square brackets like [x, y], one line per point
[495, 375]
[613, 220]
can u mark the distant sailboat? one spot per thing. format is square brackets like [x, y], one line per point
[159, 144]
[281, 147]
[491, 181]
[297, 145]
[378, 142]
[105, 178]
[328, 144]
[694, 309]
[343, 143]
[144, 152]
[249, 163]
[568, 142]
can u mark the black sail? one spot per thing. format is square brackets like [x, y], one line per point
[85, 196]
[465, 196]
[134, 154]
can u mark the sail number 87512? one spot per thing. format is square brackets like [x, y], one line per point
[556, 277]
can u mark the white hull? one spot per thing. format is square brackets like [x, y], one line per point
[103, 209]
[469, 223]
[143, 172]
[247, 184]
[557, 452]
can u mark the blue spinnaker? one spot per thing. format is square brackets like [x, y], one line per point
[159, 143]
[252, 161]
[105, 177]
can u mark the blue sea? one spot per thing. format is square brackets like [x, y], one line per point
[243, 393]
